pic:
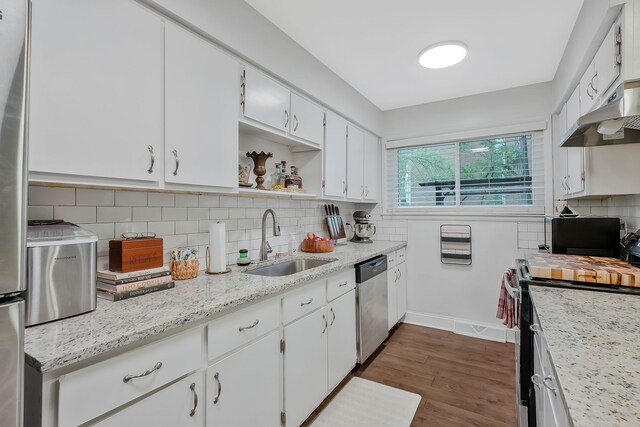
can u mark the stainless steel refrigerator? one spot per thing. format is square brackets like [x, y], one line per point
[13, 182]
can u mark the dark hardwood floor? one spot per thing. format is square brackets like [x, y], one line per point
[463, 381]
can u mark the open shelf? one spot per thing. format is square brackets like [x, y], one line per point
[269, 193]
[295, 144]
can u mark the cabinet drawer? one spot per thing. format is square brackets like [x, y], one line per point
[236, 329]
[303, 301]
[94, 390]
[391, 260]
[401, 254]
[340, 284]
[180, 404]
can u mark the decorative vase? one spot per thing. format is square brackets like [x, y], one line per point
[259, 160]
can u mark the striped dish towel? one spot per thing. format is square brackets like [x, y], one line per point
[508, 307]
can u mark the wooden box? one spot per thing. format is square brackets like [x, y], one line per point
[135, 254]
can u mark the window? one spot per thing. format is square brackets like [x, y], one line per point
[500, 172]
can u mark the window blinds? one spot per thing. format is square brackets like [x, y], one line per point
[502, 172]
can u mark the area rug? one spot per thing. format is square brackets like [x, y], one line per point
[364, 403]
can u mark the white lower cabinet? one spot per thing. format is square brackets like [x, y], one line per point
[277, 357]
[243, 389]
[180, 404]
[402, 290]
[305, 365]
[392, 296]
[342, 337]
[396, 286]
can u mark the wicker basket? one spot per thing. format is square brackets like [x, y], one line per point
[318, 246]
[182, 270]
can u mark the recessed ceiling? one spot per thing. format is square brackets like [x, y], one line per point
[374, 44]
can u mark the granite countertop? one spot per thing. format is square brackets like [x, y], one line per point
[594, 343]
[115, 324]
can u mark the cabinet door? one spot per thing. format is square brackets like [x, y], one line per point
[96, 90]
[588, 92]
[606, 63]
[342, 337]
[370, 165]
[266, 100]
[538, 389]
[573, 108]
[392, 296]
[559, 155]
[355, 162]
[201, 130]
[575, 170]
[402, 289]
[305, 365]
[244, 388]
[307, 119]
[181, 404]
[335, 157]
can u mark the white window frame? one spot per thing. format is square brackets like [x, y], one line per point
[458, 210]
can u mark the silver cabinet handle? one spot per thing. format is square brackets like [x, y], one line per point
[343, 284]
[216, 377]
[286, 118]
[344, 185]
[551, 389]
[195, 399]
[594, 87]
[175, 154]
[535, 328]
[253, 325]
[397, 277]
[590, 93]
[302, 304]
[537, 380]
[399, 274]
[333, 313]
[366, 189]
[156, 367]
[153, 158]
[326, 324]
[295, 123]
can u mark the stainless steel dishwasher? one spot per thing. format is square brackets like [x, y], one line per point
[372, 309]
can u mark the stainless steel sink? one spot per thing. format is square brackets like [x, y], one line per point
[286, 268]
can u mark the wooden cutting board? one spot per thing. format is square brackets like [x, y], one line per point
[605, 271]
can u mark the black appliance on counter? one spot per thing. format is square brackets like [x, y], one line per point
[525, 391]
[592, 236]
[631, 248]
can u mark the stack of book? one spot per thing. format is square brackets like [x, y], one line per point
[118, 286]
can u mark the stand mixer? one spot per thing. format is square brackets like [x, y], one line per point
[362, 230]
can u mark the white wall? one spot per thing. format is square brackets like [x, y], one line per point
[240, 28]
[487, 110]
[441, 294]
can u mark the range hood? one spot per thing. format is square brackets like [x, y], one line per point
[617, 121]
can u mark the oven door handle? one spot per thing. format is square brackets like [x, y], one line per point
[514, 292]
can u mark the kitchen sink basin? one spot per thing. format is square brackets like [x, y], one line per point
[289, 267]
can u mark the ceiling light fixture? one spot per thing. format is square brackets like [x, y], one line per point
[443, 55]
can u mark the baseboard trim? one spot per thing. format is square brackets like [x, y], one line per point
[461, 326]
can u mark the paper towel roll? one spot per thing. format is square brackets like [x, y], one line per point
[217, 248]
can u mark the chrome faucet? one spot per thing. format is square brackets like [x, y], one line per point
[265, 247]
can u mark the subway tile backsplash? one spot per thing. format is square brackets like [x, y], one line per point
[183, 219]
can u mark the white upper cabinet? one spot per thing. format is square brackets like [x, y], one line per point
[335, 157]
[607, 61]
[370, 165]
[266, 101]
[307, 119]
[96, 90]
[573, 108]
[588, 91]
[201, 130]
[355, 163]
